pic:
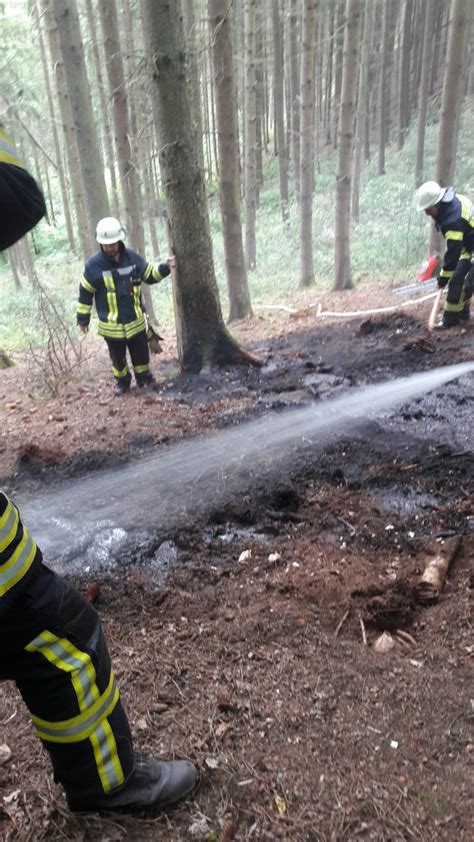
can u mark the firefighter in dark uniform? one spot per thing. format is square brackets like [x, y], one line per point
[112, 278]
[53, 646]
[453, 215]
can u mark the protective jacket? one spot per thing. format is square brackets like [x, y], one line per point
[21, 200]
[116, 289]
[20, 558]
[456, 222]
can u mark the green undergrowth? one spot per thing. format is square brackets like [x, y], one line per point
[388, 243]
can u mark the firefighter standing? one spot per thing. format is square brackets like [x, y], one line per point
[112, 279]
[53, 646]
[453, 215]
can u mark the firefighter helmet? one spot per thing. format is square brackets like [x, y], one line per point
[109, 230]
[428, 195]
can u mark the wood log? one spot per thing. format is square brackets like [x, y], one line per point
[434, 575]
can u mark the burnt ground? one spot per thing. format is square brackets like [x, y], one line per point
[255, 656]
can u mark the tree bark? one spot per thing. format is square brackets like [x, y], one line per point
[278, 96]
[229, 180]
[342, 274]
[107, 133]
[55, 133]
[362, 105]
[203, 335]
[294, 95]
[452, 97]
[307, 143]
[191, 35]
[404, 87]
[428, 30]
[70, 140]
[250, 137]
[67, 19]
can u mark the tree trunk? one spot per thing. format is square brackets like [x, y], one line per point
[342, 275]
[107, 133]
[452, 96]
[362, 105]
[384, 88]
[117, 93]
[451, 101]
[307, 143]
[229, 181]
[67, 19]
[250, 137]
[203, 335]
[70, 140]
[404, 88]
[191, 35]
[294, 96]
[54, 129]
[428, 30]
[278, 94]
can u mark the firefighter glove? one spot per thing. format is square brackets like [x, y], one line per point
[154, 340]
[442, 282]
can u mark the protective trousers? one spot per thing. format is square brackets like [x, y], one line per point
[458, 298]
[54, 650]
[140, 356]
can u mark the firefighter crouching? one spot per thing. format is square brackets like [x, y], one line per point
[453, 215]
[112, 279]
[53, 646]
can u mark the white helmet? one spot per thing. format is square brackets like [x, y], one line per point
[109, 231]
[428, 195]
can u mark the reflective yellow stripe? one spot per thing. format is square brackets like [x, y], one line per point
[132, 328]
[91, 723]
[122, 331]
[136, 301]
[84, 309]
[111, 331]
[152, 271]
[455, 308]
[63, 655]
[87, 286]
[445, 273]
[7, 151]
[111, 297]
[106, 757]
[466, 208]
[8, 526]
[140, 369]
[18, 564]
[122, 373]
[454, 235]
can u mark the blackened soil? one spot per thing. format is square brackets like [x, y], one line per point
[256, 654]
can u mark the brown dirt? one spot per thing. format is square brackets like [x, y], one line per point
[255, 665]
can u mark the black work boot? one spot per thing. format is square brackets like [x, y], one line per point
[153, 784]
[146, 381]
[121, 388]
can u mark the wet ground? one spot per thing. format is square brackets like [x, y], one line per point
[244, 620]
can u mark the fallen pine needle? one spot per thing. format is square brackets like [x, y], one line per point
[364, 634]
[342, 623]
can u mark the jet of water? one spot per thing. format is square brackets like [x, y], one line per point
[91, 519]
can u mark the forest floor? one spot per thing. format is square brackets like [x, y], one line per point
[255, 655]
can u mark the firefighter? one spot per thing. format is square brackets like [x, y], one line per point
[453, 215]
[112, 278]
[53, 646]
